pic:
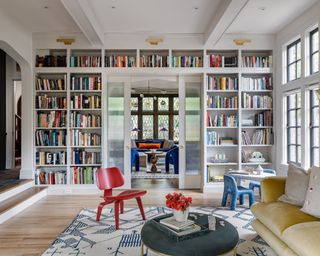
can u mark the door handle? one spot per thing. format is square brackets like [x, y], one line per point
[181, 147]
[128, 147]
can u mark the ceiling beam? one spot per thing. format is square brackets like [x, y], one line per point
[85, 18]
[226, 13]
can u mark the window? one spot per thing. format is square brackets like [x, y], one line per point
[155, 117]
[314, 51]
[314, 128]
[294, 61]
[294, 128]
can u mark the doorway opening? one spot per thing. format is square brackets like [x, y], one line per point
[154, 133]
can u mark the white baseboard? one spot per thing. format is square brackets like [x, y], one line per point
[22, 206]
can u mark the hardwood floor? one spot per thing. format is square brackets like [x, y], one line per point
[33, 230]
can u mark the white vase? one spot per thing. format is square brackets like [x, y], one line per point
[181, 216]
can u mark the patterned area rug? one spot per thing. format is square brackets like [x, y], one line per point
[86, 236]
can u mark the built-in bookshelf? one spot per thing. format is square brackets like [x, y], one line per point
[68, 128]
[239, 113]
[68, 106]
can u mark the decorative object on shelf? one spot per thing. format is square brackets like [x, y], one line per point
[219, 158]
[257, 157]
[259, 170]
[179, 204]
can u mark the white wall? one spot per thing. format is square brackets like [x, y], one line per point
[296, 28]
[16, 41]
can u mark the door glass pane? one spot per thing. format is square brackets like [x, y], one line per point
[292, 136]
[316, 157]
[163, 104]
[299, 51]
[115, 146]
[315, 137]
[299, 154]
[292, 154]
[134, 127]
[292, 101]
[315, 42]
[192, 126]
[176, 128]
[315, 62]
[176, 103]
[147, 104]
[292, 54]
[298, 69]
[147, 127]
[292, 72]
[163, 124]
[292, 118]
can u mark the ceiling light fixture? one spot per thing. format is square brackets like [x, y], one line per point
[241, 41]
[262, 8]
[154, 40]
[66, 41]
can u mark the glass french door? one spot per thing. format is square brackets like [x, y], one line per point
[190, 153]
[118, 151]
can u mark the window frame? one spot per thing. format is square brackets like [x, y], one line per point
[313, 106]
[293, 44]
[296, 126]
[311, 34]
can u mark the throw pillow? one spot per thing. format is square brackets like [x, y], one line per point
[149, 145]
[312, 204]
[296, 186]
[167, 144]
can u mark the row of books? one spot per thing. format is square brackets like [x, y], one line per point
[85, 61]
[53, 119]
[85, 102]
[263, 119]
[80, 156]
[84, 120]
[120, 61]
[51, 61]
[50, 102]
[186, 61]
[85, 83]
[50, 158]
[220, 61]
[213, 138]
[154, 61]
[50, 138]
[44, 84]
[256, 101]
[256, 83]
[78, 138]
[50, 177]
[222, 83]
[222, 120]
[257, 61]
[259, 137]
[84, 175]
[222, 102]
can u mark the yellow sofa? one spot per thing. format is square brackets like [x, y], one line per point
[284, 227]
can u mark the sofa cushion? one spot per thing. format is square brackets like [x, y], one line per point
[312, 202]
[304, 238]
[278, 216]
[296, 186]
[149, 145]
[167, 144]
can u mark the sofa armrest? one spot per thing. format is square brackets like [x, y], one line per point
[272, 188]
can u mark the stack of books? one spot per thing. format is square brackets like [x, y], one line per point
[227, 141]
[180, 228]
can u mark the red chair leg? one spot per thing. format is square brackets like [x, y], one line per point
[101, 205]
[139, 201]
[116, 213]
[121, 206]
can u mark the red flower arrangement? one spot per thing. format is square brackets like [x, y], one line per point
[178, 201]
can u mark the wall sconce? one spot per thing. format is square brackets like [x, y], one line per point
[66, 41]
[241, 41]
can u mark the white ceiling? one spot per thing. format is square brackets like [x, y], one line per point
[277, 14]
[34, 17]
[155, 16]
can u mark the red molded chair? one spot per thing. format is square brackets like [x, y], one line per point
[110, 178]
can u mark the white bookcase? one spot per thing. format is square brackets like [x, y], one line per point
[213, 170]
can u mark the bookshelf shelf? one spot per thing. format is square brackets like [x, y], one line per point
[255, 109]
[221, 109]
[221, 127]
[84, 165]
[51, 165]
[85, 146]
[258, 145]
[85, 128]
[221, 164]
[53, 147]
[224, 91]
[221, 146]
[85, 109]
[264, 163]
[256, 127]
